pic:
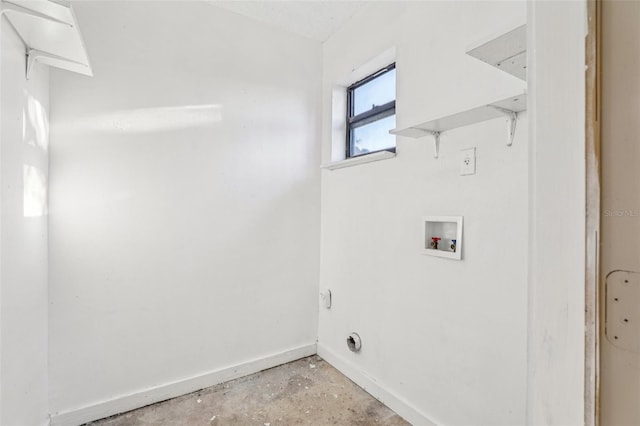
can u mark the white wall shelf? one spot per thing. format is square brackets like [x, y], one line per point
[362, 159]
[443, 236]
[50, 33]
[507, 52]
[509, 108]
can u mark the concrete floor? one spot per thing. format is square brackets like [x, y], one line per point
[304, 392]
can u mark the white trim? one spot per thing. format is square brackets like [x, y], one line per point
[381, 60]
[376, 389]
[362, 159]
[556, 276]
[152, 395]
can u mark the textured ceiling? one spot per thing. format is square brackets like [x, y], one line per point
[317, 20]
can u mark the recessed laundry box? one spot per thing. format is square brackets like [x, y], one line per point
[443, 236]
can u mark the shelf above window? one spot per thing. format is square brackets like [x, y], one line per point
[507, 52]
[509, 108]
[362, 159]
[50, 33]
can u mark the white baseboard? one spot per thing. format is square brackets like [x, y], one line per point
[396, 403]
[171, 390]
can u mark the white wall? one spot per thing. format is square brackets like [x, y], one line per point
[184, 226]
[445, 338]
[23, 236]
[557, 228]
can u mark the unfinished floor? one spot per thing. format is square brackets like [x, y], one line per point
[304, 392]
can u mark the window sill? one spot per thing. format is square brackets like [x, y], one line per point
[368, 158]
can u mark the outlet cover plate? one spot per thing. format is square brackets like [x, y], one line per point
[468, 162]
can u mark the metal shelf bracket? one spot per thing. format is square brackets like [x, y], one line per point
[49, 32]
[34, 56]
[512, 120]
[436, 144]
[420, 133]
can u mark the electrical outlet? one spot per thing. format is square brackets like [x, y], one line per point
[468, 162]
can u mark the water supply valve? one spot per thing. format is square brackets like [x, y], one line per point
[434, 242]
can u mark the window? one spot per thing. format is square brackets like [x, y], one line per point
[371, 113]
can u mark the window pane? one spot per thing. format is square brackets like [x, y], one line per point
[377, 92]
[373, 136]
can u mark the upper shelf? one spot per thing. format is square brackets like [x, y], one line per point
[507, 52]
[50, 32]
[509, 108]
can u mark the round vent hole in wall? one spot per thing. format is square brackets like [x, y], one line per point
[353, 342]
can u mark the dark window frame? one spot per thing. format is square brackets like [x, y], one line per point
[377, 113]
